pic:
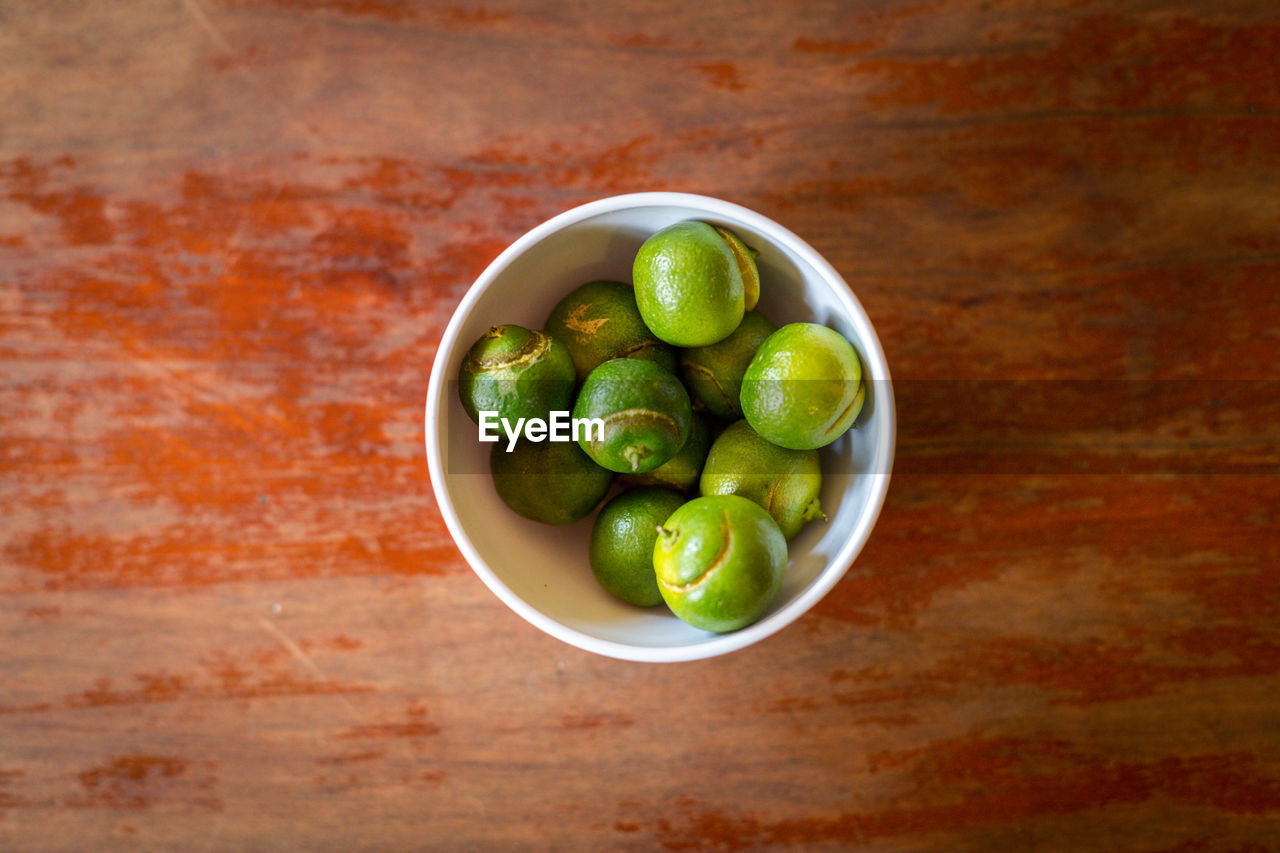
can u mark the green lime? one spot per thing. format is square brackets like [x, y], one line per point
[517, 373]
[681, 471]
[599, 321]
[622, 538]
[804, 387]
[549, 481]
[644, 415]
[784, 482]
[713, 374]
[746, 258]
[688, 285]
[719, 562]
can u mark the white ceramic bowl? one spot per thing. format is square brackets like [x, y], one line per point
[541, 572]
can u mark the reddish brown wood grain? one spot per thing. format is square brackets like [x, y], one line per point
[231, 234]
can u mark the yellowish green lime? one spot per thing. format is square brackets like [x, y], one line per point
[803, 388]
[688, 285]
[746, 258]
[719, 561]
[785, 483]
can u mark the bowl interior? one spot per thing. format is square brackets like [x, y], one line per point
[542, 571]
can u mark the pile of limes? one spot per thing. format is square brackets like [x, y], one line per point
[707, 414]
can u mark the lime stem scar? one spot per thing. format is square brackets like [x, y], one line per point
[533, 349]
[726, 543]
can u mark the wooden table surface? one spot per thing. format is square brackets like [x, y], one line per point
[232, 233]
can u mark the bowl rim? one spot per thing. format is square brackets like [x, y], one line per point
[876, 367]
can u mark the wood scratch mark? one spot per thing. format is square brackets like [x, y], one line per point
[197, 12]
[296, 651]
[242, 226]
[216, 833]
[187, 385]
[202, 19]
